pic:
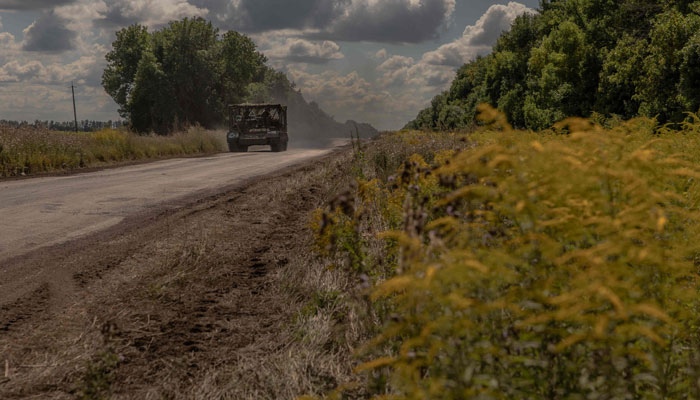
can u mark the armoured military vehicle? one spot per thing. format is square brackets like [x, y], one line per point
[257, 125]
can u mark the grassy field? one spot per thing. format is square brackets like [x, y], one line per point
[25, 151]
[513, 264]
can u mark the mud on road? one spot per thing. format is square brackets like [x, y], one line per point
[176, 304]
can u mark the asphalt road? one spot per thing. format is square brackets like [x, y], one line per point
[47, 211]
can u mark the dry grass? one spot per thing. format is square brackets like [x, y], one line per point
[146, 300]
[314, 352]
[25, 151]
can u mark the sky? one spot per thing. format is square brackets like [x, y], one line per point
[376, 61]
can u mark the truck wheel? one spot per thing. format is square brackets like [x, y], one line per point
[276, 148]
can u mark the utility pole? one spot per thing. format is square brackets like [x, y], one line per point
[75, 112]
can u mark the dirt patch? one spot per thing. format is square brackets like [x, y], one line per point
[201, 301]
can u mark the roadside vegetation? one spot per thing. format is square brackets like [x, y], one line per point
[26, 151]
[586, 58]
[519, 264]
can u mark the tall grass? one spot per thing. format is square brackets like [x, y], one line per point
[561, 264]
[25, 151]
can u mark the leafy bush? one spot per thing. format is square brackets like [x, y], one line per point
[560, 264]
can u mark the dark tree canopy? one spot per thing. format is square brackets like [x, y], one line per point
[185, 73]
[609, 58]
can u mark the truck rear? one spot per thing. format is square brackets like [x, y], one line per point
[257, 125]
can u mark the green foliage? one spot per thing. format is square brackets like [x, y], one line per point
[537, 265]
[615, 58]
[123, 61]
[98, 378]
[690, 72]
[186, 73]
[152, 100]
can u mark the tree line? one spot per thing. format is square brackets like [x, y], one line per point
[186, 73]
[589, 58]
[65, 126]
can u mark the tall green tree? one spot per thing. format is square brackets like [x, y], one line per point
[152, 102]
[185, 73]
[186, 50]
[559, 77]
[239, 64]
[660, 90]
[122, 64]
[615, 58]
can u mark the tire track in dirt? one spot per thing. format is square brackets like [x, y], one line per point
[155, 304]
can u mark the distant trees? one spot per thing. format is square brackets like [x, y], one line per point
[185, 73]
[575, 58]
[66, 126]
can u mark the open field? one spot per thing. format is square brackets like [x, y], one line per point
[29, 151]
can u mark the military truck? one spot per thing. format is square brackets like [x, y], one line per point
[257, 125]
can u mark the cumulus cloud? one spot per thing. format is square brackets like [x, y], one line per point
[331, 85]
[147, 12]
[7, 40]
[478, 39]
[50, 34]
[36, 72]
[381, 54]
[80, 14]
[403, 72]
[31, 4]
[395, 63]
[395, 70]
[304, 51]
[393, 21]
[14, 71]
[350, 96]
[267, 15]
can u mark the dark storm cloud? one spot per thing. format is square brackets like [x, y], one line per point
[267, 15]
[303, 51]
[153, 13]
[31, 4]
[263, 15]
[49, 34]
[116, 15]
[395, 21]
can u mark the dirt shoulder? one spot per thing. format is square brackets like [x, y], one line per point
[215, 299]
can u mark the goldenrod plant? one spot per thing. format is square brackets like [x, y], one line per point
[560, 264]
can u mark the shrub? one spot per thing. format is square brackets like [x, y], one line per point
[561, 264]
